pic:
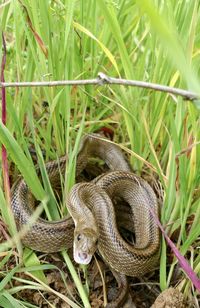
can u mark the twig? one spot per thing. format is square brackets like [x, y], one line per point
[188, 149]
[103, 79]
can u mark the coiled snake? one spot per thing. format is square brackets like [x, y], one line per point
[92, 208]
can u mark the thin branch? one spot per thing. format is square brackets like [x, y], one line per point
[103, 79]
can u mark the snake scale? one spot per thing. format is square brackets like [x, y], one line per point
[92, 224]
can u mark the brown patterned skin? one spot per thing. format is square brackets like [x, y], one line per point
[92, 209]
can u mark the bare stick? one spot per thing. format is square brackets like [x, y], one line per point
[103, 79]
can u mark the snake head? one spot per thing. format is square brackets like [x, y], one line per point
[85, 245]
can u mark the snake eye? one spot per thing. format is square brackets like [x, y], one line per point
[78, 237]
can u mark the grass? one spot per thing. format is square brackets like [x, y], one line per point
[144, 40]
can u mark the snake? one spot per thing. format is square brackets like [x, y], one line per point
[92, 223]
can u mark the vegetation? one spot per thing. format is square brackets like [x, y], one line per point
[155, 41]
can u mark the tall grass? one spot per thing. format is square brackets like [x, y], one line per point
[156, 41]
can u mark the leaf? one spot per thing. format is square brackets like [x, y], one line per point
[36, 35]
[111, 19]
[104, 48]
[7, 300]
[25, 166]
[30, 259]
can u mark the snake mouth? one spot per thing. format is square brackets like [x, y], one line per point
[82, 257]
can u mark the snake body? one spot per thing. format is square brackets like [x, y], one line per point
[91, 205]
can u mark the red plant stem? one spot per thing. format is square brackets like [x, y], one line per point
[181, 259]
[3, 63]
[4, 152]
